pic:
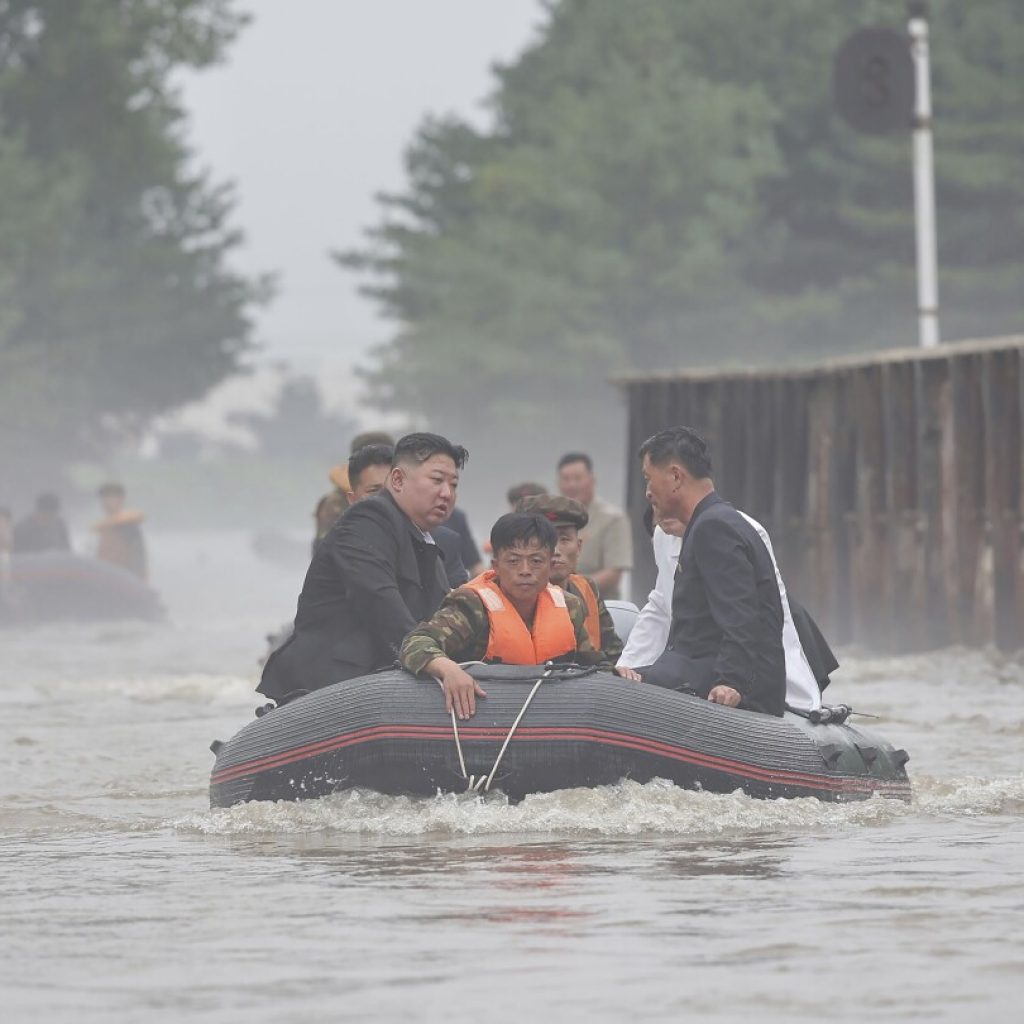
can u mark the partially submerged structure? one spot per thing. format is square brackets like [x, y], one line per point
[892, 484]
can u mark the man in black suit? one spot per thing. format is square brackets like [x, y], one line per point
[369, 469]
[374, 576]
[725, 642]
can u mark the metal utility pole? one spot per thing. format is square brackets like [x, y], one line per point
[924, 179]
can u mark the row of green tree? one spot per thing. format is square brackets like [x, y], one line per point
[667, 183]
[116, 301]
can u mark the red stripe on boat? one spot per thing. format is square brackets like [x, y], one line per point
[557, 733]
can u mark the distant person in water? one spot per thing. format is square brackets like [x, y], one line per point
[119, 531]
[368, 470]
[43, 530]
[373, 576]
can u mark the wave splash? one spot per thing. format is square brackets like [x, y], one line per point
[625, 809]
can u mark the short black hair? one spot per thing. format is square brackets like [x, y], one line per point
[47, 503]
[679, 444]
[368, 455]
[417, 448]
[570, 457]
[520, 528]
[110, 487]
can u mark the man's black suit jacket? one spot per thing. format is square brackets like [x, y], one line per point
[372, 578]
[726, 613]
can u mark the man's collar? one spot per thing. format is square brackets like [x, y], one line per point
[416, 531]
[705, 503]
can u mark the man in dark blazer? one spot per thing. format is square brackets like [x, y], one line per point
[374, 576]
[369, 469]
[725, 642]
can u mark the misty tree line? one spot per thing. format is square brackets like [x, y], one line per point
[115, 299]
[667, 184]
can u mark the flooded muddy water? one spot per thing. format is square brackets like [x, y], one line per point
[125, 898]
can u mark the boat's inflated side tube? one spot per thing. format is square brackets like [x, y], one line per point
[389, 732]
[59, 585]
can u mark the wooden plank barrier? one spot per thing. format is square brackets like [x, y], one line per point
[892, 484]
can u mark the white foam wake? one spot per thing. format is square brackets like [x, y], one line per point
[625, 809]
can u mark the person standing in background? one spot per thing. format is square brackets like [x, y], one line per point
[607, 544]
[120, 535]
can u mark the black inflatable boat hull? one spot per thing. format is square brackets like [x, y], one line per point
[390, 733]
[59, 585]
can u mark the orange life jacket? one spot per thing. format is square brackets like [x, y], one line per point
[510, 642]
[586, 591]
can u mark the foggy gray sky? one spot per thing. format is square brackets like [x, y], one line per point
[310, 116]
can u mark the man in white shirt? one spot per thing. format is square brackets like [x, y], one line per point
[649, 635]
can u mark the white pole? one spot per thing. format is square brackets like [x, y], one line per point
[924, 186]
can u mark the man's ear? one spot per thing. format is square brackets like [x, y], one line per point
[494, 564]
[350, 497]
[396, 478]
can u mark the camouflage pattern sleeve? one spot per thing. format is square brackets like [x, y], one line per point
[459, 630]
[585, 653]
[610, 642]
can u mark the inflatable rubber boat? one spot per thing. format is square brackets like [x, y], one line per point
[538, 730]
[59, 585]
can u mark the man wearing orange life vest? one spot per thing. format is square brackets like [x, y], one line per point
[510, 614]
[568, 517]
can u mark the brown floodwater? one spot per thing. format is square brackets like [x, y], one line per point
[125, 898]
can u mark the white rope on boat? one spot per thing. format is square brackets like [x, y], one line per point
[483, 783]
[522, 711]
[455, 727]
[458, 746]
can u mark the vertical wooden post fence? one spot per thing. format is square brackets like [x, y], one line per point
[892, 485]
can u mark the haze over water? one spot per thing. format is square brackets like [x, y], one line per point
[125, 898]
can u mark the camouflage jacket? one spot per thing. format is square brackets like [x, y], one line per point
[611, 645]
[460, 630]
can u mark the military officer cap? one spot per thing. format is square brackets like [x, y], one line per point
[561, 511]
